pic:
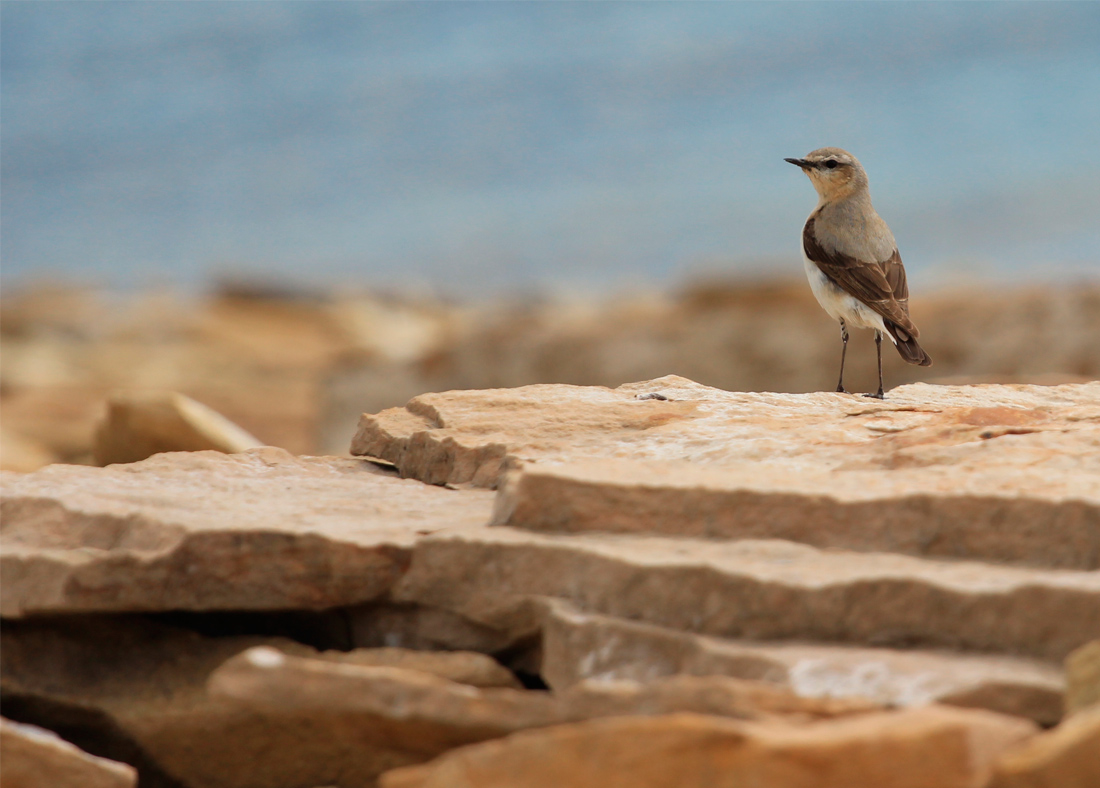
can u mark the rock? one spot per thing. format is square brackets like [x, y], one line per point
[983, 472]
[1083, 677]
[756, 589]
[419, 716]
[990, 515]
[578, 646]
[141, 424]
[759, 335]
[463, 436]
[37, 758]
[419, 627]
[461, 667]
[931, 747]
[22, 454]
[420, 712]
[1066, 757]
[261, 530]
[134, 689]
[722, 696]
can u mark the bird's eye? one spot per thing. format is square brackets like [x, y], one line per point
[831, 164]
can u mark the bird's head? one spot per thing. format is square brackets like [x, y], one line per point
[835, 173]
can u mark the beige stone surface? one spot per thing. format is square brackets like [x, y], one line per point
[975, 510]
[139, 424]
[472, 436]
[1066, 757]
[425, 712]
[932, 747]
[147, 683]
[579, 646]
[22, 454]
[756, 589]
[723, 696]
[31, 757]
[462, 667]
[980, 472]
[259, 530]
[1083, 677]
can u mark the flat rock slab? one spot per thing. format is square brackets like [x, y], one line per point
[136, 689]
[36, 758]
[986, 472]
[919, 748]
[977, 512]
[578, 646]
[416, 716]
[260, 530]
[757, 589]
[1066, 757]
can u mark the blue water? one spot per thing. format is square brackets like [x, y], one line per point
[479, 147]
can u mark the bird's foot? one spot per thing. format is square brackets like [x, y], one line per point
[842, 390]
[877, 395]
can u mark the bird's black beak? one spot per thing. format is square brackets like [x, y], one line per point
[806, 165]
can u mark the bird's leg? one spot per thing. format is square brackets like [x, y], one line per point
[843, 352]
[878, 346]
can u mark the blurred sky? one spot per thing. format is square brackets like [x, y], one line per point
[475, 148]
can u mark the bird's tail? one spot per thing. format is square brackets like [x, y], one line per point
[907, 346]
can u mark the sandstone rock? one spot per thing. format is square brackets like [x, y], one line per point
[141, 424]
[759, 335]
[931, 747]
[462, 667]
[261, 530]
[37, 758]
[578, 646]
[22, 454]
[977, 512]
[463, 436]
[722, 696]
[423, 713]
[1083, 677]
[133, 689]
[419, 627]
[984, 472]
[1066, 757]
[756, 589]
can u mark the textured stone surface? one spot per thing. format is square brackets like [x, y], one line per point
[472, 436]
[425, 712]
[22, 454]
[133, 689]
[139, 424]
[985, 472]
[204, 530]
[972, 510]
[933, 747]
[1066, 757]
[579, 646]
[1083, 677]
[418, 716]
[32, 757]
[757, 589]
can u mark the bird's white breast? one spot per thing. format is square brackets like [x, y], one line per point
[837, 303]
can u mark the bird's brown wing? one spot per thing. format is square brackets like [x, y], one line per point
[880, 285]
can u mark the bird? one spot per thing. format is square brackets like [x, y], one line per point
[852, 260]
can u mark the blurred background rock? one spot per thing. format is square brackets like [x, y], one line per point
[297, 212]
[296, 370]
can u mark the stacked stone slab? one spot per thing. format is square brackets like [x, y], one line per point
[751, 568]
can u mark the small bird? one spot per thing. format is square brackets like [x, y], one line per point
[852, 260]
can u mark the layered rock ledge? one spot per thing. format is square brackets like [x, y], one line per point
[745, 583]
[982, 472]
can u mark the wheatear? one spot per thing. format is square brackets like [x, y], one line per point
[852, 261]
